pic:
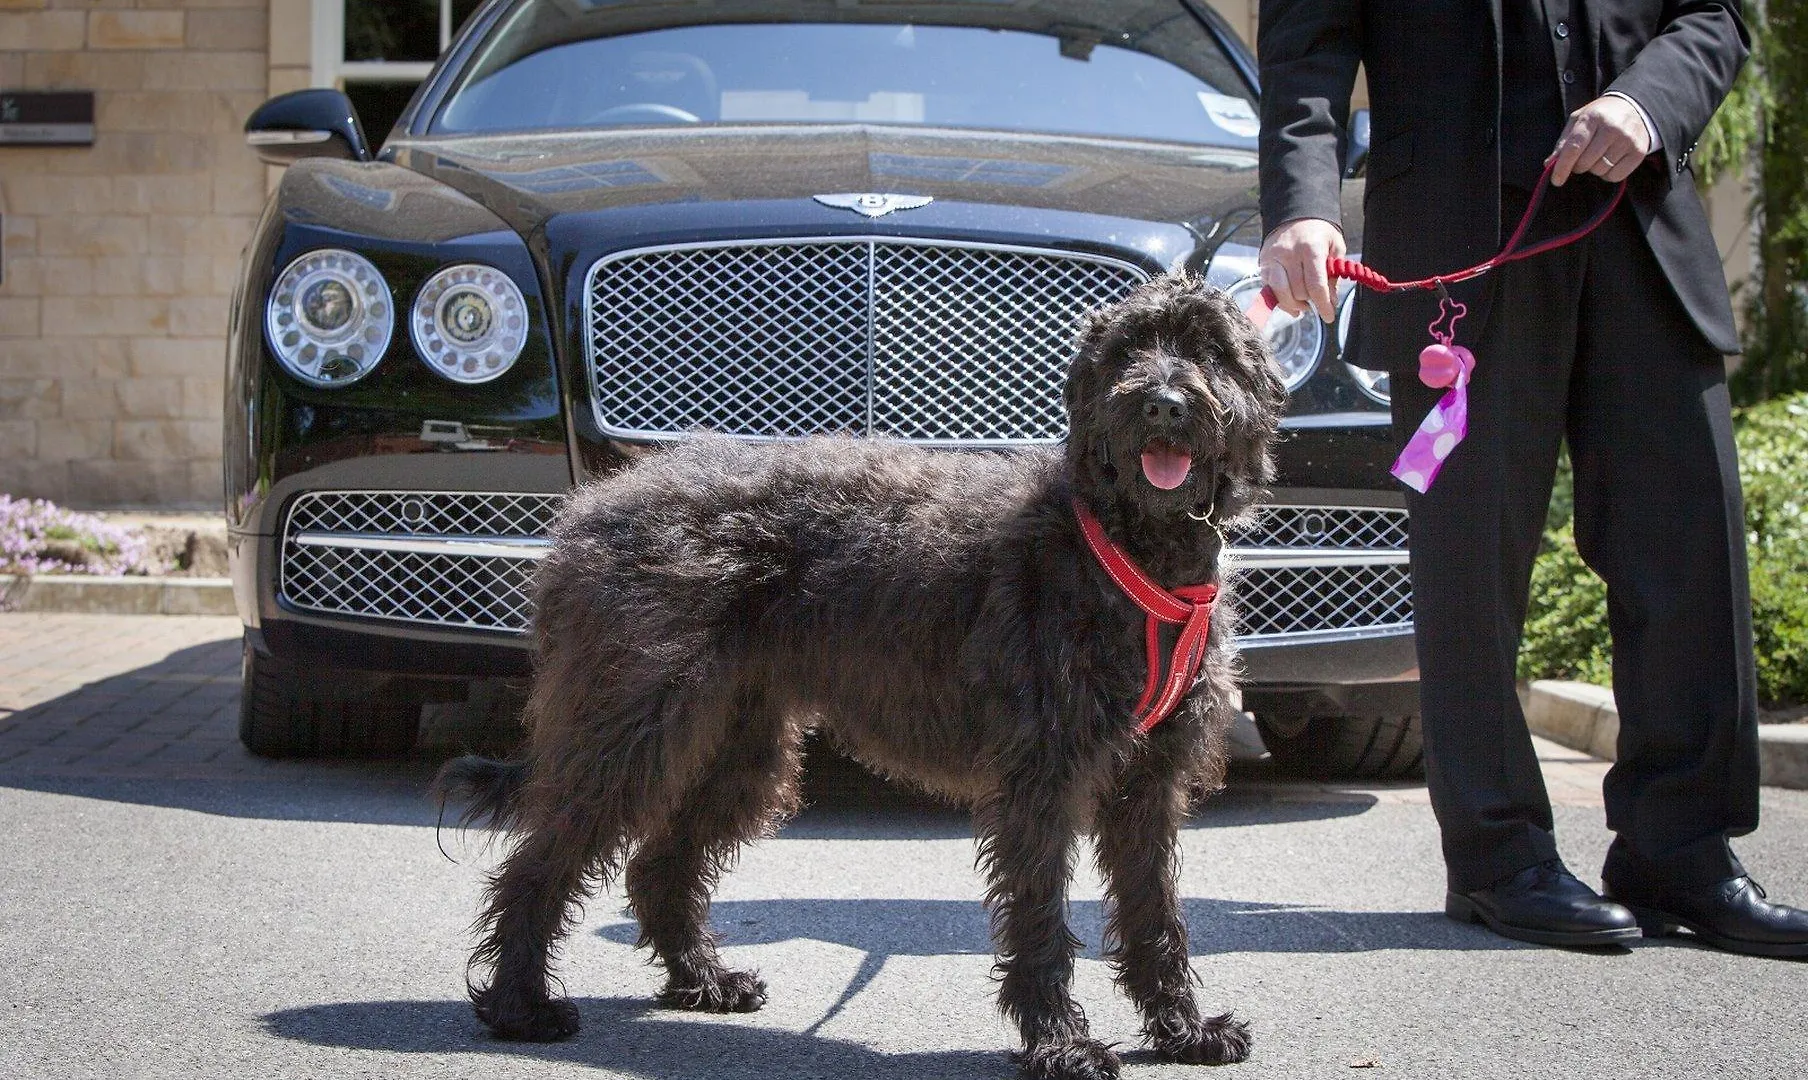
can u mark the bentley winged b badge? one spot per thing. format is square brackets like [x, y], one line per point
[873, 204]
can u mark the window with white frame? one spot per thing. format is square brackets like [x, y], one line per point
[380, 50]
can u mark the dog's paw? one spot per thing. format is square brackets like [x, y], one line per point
[1081, 1059]
[1220, 1040]
[722, 991]
[526, 1019]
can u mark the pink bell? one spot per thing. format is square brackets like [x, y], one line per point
[1441, 365]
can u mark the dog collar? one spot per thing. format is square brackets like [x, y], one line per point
[1188, 607]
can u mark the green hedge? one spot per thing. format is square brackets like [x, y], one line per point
[1566, 626]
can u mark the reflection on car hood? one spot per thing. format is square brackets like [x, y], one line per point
[528, 178]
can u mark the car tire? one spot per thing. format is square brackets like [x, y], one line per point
[290, 711]
[1347, 747]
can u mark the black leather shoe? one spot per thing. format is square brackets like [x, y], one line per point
[1731, 915]
[1545, 905]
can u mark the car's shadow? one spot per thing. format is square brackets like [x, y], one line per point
[165, 734]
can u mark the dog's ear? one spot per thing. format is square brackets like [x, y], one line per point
[1263, 398]
[1252, 363]
[1084, 386]
[1089, 346]
[1081, 392]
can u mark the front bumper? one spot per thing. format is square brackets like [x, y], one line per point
[436, 583]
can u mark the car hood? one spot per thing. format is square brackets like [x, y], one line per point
[527, 179]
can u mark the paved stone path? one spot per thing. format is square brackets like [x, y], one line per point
[135, 696]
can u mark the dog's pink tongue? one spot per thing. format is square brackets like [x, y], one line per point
[1166, 466]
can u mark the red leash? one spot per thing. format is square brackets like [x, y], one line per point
[1189, 607]
[1370, 278]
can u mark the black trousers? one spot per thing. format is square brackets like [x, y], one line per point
[1588, 343]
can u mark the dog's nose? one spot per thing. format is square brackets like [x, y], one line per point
[1165, 407]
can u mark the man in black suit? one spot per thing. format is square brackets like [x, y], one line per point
[1613, 343]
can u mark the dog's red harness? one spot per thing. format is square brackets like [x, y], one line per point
[1188, 607]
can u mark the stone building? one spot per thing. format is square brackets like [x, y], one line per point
[117, 259]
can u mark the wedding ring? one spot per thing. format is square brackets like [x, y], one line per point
[1607, 162]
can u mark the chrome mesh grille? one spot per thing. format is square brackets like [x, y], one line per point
[470, 591]
[1280, 601]
[1323, 599]
[492, 593]
[936, 344]
[1324, 527]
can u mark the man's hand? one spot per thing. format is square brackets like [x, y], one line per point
[1605, 137]
[1292, 264]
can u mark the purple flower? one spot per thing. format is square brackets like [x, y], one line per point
[40, 537]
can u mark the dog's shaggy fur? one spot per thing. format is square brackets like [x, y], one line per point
[939, 617]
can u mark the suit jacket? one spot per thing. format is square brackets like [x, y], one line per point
[1432, 203]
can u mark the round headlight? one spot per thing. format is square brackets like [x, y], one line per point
[1294, 340]
[1372, 383]
[329, 318]
[469, 323]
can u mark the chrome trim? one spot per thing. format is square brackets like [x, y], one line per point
[1338, 419]
[1255, 558]
[498, 547]
[861, 394]
[301, 137]
[1323, 637]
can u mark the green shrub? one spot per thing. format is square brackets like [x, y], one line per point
[1566, 622]
[1566, 634]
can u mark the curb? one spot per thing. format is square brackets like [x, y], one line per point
[94, 595]
[1582, 717]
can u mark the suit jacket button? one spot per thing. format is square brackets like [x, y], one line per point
[1487, 136]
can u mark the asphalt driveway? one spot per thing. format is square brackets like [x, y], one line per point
[174, 907]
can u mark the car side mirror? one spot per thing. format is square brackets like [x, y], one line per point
[1356, 153]
[304, 124]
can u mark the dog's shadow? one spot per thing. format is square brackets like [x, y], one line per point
[633, 1037]
[622, 1035]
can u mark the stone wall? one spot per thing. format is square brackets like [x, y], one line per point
[120, 257]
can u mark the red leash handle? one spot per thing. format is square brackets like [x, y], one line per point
[1374, 280]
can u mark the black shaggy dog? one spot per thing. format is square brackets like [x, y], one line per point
[937, 615]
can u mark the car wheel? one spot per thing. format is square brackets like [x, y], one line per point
[289, 711]
[1347, 747]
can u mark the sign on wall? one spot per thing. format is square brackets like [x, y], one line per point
[46, 118]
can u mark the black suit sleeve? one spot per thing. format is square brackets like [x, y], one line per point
[1681, 75]
[1308, 51]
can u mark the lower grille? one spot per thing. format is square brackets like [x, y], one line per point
[433, 558]
[1321, 573]
[1290, 602]
[465, 560]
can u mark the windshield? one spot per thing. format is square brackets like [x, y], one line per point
[1061, 80]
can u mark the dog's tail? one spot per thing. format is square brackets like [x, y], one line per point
[488, 790]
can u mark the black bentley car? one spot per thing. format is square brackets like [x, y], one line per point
[602, 224]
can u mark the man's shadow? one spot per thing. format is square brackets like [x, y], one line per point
[882, 929]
